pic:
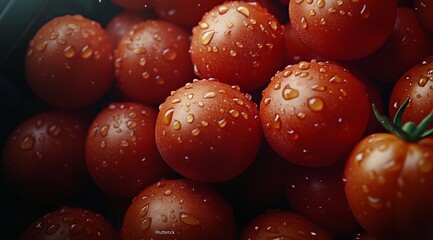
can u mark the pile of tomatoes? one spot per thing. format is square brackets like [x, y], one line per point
[224, 120]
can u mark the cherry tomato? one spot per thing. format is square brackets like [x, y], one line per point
[278, 224]
[318, 194]
[407, 45]
[424, 10]
[222, 43]
[295, 49]
[134, 5]
[70, 224]
[122, 23]
[43, 159]
[121, 153]
[313, 113]
[208, 131]
[416, 84]
[343, 30]
[186, 13]
[153, 60]
[69, 62]
[178, 209]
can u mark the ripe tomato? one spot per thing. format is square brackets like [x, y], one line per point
[208, 131]
[416, 84]
[343, 30]
[295, 49]
[186, 13]
[153, 60]
[318, 194]
[134, 5]
[313, 113]
[70, 224]
[122, 23]
[178, 209]
[222, 42]
[388, 180]
[424, 11]
[283, 225]
[43, 159]
[121, 153]
[69, 62]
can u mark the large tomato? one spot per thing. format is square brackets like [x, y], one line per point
[389, 181]
[343, 30]
[313, 113]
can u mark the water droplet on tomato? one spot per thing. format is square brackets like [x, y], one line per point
[177, 125]
[42, 46]
[243, 10]
[145, 224]
[223, 10]
[76, 228]
[51, 229]
[320, 3]
[425, 165]
[206, 37]
[222, 123]
[209, 95]
[290, 93]
[54, 130]
[277, 123]
[28, 143]
[304, 23]
[374, 202]
[86, 52]
[189, 219]
[169, 54]
[195, 132]
[315, 104]
[69, 52]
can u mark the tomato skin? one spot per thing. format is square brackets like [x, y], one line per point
[178, 209]
[222, 42]
[152, 60]
[388, 183]
[69, 62]
[122, 23]
[70, 224]
[424, 11]
[329, 29]
[313, 113]
[208, 131]
[121, 153]
[295, 49]
[43, 159]
[415, 84]
[134, 5]
[277, 224]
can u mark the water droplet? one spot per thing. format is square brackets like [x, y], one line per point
[298, 1]
[142, 62]
[290, 93]
[315, 104]
[301, 115]
[336, 79]
[422, 81]
[204, 123]
[54, 35]
[223, 10]
[54, 131]
[391, 166]
[164, 218]
[365, 13]
[243, 10]
[365, 188]
[167, 192]
[222, 123]
[323, 21]
[41, 46]
[104, 131]
[273, 25]
[267, 101]
[157, 37]
[319, 88]
[190, 118]
[293, 135]
[103, 144]
[425, 165]
[169, 54]
[375, 203]
[51, 229]
[206, 38]
[145, 224]
[233, 53]
[86, 52]
[28, 143]
[69, 52]
[195, 132]
[177, 125]
[189, 219]
[209, 95]
[304, 23]
[312, 12]
[76, 228]
[304, 65]
[320, 3]
[277, 123]
[168, 116]
[343, 125]
[234, 113]
[203, 25]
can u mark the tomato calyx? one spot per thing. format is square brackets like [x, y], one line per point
[408, 131]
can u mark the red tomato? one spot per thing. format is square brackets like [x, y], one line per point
[70, 224]
[223, 47]
[69, 62]
[424, 11]
[152, 60]
[208, 131]
[185, 13]
[407, 45]
[43, 159]
[313, 113]
[122, 23]
[178, 209]
[416, 84]
[318, 194]
[343, 30]
[135, 5]
[121, 153]
[283, 225]
[295, 49]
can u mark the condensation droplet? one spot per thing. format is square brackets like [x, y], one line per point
[41, 46]
[315, 104]
[168, 116]
[69, 52]
[51, 229]
[189, 219]
[145, 224]
[320, 3]
[195, 132]
[28, 143]
[54, 131]
[304, 65]
[104, 131]
[169, 54]
[86, 52]
[190, 118]
[425, 165]
[223, 10]
[209, 95]
[290, 93]
[319, 88]
[103, 145]
[222, 123]
[304, 23]
[206, 38]
[177, 125]
[375, 203]
[234, 113]
[277, 123]
[243, 10]
[167, 192]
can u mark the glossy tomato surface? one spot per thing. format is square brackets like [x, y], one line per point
[69, 62]
[43, 159]
[388, 184]
[122, 23]
[343, 30]
[417, 85]
[278, 224]
[121, 153]
[70, 224]
[238, 43]
[153, 60]
[424, 10]
[178, 209]
[313, 113]
[134, 5]
[208, 131]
